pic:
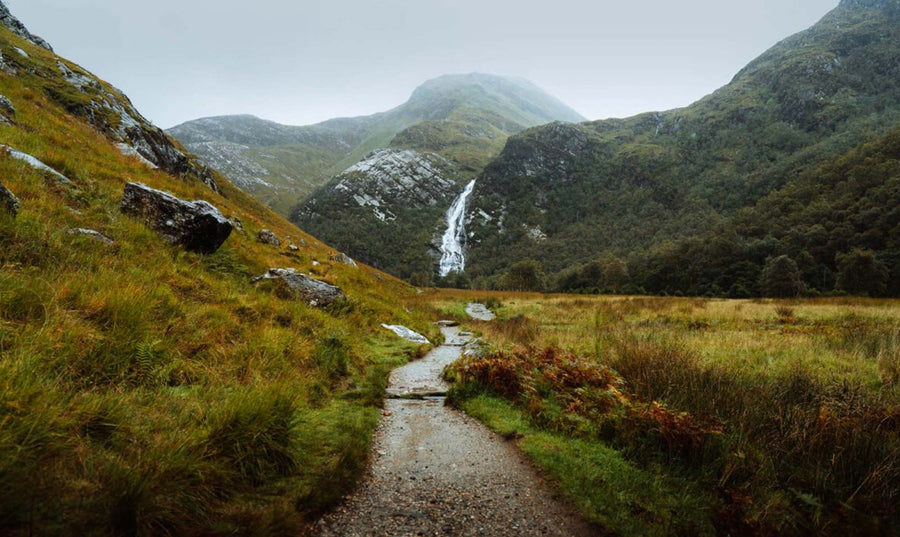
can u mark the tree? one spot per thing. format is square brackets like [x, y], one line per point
[615, 273]
[861, 273]
[527, 275]
[781, 278]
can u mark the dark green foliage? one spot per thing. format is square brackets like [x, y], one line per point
[781, 278]
[526, 275]
[799, 155]
[861, 273]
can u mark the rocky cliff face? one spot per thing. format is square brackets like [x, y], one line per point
[392, 178]
[375, 209]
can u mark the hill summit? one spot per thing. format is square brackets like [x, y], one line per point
[281, 164]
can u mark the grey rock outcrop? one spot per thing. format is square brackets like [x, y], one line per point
[312, 291]
[266, 236]
[7, 111]
[341, 257]
[34, 163]
[8, 201]
[388, 179]
[7, 19]
[93, 234]
[195, 225]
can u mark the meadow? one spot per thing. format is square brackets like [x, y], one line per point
[681, 416]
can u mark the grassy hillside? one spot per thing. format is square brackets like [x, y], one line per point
[571, 195]
[146, 390]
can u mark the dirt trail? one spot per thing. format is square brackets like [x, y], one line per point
[436, 471]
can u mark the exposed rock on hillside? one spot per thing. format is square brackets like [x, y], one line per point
[7, 112]
[406, 333]
[388, 179]
[7, 19]
[344, 259]
[550, 151]
[34, 163]
[93, 234]
[197, 226]
[8, 201]
[266, 236]
[314, 292]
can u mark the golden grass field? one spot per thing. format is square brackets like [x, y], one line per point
[754, 417]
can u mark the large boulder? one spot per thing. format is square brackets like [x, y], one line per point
[195, 225]
[8, 201]
[314, 292]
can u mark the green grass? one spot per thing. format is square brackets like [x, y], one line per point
[610, 491]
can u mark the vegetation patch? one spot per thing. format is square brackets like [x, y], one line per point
[776, 418]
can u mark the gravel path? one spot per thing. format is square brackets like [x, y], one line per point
[479, 312]
[436, 471]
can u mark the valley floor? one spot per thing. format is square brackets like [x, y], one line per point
[681, 416]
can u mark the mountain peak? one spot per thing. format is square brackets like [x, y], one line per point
[501, 94]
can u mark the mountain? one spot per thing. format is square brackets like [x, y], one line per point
[145, 388]
[676, 189]
[468, 116]
[388, 209]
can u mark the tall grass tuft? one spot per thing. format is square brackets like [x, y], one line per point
[256, 434]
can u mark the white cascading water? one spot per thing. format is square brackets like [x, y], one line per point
[453, 259]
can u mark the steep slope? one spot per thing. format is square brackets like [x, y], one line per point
[146, 389]
[281, 165]
[566, 194]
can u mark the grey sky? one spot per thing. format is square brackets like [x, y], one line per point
[303, 61]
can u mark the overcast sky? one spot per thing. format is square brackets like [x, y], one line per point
[303, 61]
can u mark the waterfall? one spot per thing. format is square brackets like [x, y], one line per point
[453, 259]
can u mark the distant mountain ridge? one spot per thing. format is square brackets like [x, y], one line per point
[282, 164]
